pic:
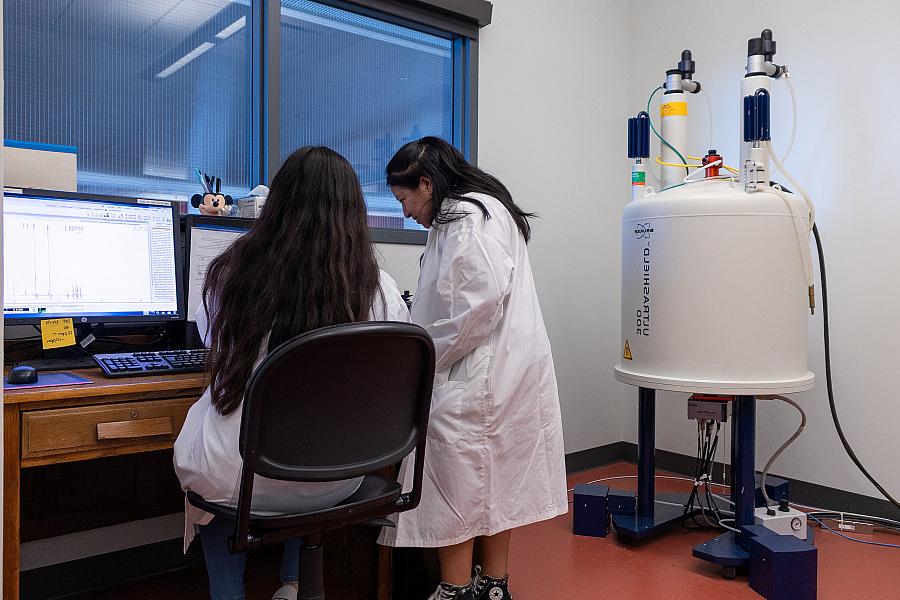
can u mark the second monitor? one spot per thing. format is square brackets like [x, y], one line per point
[205, 239]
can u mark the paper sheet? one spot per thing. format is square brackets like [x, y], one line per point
[206, 244]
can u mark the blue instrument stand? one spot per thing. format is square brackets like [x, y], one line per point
[728, 550]
[652, 517]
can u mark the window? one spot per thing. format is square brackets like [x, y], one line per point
[145, 90]
[148, 91]
[363, 87]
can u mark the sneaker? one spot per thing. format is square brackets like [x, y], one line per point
[445, 591]
[285, 592]
[488, 588]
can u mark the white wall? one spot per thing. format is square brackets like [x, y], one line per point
[844, 62]
[401, 261]
[552, 129]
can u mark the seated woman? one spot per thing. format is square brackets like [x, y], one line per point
[307, 263]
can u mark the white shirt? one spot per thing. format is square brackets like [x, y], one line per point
[208, 462]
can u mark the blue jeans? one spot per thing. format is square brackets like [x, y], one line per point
[226, 570]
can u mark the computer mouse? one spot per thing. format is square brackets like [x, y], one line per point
[23, 374]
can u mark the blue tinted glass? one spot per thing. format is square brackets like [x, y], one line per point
[146, 90]
[364, 88]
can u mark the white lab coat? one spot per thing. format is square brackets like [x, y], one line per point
[494, 457]
[207, 460]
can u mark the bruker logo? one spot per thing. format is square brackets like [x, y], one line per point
[643, 230]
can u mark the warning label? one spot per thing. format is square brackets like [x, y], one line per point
[626, 354]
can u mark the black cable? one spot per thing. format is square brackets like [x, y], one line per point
[698, 474]
[708, 514]
[711, 503]
[706, 449]
[688, 512]
[828, 383]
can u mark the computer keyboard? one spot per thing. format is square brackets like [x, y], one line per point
[131, 364]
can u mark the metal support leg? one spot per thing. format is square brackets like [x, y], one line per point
[650, 517]
[312, 568]
[743, 445]
[735, 447]
[646, 450]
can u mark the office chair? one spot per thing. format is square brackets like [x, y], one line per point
[334, 403]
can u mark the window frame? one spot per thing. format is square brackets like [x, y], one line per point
[456, 20]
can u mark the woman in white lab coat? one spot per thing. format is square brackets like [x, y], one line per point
[308, 262]
[494, 459]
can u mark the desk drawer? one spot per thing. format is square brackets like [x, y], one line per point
[102, 429]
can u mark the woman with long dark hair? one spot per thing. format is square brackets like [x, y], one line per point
[308, 262]
[494, 459]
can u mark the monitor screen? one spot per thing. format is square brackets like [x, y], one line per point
[92, 258]
[207, 238]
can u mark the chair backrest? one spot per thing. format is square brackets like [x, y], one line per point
[338, 402]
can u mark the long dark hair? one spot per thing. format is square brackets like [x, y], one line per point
[307, 262]
[451, 177]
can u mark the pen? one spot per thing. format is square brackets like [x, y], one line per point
[203, 183]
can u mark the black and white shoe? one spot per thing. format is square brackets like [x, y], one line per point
[286, 592]
[488, 588]
[446, 591]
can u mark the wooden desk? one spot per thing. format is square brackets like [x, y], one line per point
[108, 417]
[113, 417]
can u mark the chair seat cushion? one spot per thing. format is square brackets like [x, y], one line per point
[375, 497]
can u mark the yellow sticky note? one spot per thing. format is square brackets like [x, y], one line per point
[57, 333]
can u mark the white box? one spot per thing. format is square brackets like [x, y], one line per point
[40, 169]
[250, 207]
[790, 522]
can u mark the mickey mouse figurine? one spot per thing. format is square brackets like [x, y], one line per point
[212, 204]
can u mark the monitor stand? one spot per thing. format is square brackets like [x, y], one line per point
[178, 335]
[60, 359]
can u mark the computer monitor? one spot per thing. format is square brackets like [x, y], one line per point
[205, 239]
[96, 259]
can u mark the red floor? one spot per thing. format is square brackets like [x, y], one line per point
[547, 562]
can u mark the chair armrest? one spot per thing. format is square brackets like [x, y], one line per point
[410, 500]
